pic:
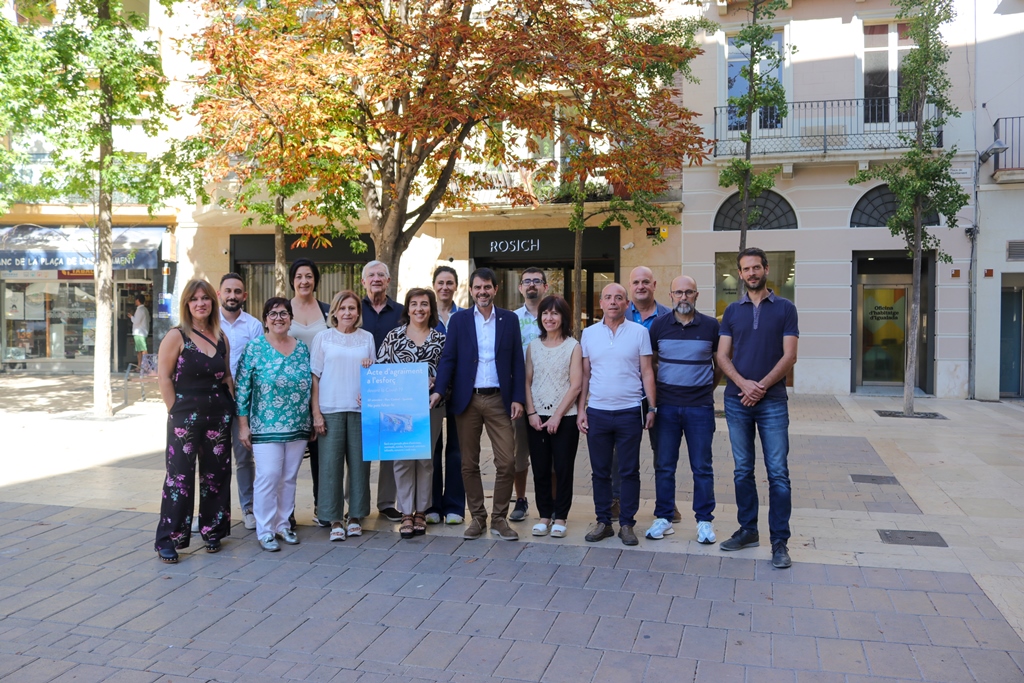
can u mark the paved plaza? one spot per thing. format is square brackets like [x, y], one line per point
[83, 598]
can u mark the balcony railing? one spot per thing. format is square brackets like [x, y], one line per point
[818, 127]
[1011, 131]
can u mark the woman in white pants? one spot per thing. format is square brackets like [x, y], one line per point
[416, 341]
[273, 396]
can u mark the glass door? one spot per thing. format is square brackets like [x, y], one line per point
[883, 334]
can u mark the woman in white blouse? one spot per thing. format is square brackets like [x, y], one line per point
[337, 355]
[554, 377]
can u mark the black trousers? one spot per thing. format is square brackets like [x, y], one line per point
[554, 451]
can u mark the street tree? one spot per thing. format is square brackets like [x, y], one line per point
[763, 101]
[87, 76]
[920, 178]
[407, 101]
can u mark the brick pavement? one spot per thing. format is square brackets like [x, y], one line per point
[83, 599]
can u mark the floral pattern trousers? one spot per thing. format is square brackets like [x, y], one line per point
[198, 430]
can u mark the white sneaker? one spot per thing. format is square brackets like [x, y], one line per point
[660, 529]
[249, 520]
[433, 518]
[452, 518]
[705, 533]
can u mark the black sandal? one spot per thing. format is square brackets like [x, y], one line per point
[406, 530]
[168, 555]
[419, 524]
[213, 546]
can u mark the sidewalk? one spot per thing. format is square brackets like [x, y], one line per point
[82, 595]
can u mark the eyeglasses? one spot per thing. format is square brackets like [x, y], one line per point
[532, 281]
[278, 315]
[680, 293]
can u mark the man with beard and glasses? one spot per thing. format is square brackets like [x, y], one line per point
[684, 345]
[756, 350]
[533, 285]
[240, 328]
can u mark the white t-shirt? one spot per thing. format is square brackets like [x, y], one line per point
[239, 334]
[528, 327]
[615, 382]
[140, 322]
[486, 331]
[336, 359]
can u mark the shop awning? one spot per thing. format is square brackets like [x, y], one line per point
[36, 247]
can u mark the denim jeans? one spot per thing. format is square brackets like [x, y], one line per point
[449, 494]
[771, 421]
[620, 430]
[698, 425]
[652, 434]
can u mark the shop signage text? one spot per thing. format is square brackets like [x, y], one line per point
[515, 246]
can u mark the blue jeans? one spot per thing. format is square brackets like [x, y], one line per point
[621, 431]
[652, 434]
[698, 425]
[448, 492]
[771, 421]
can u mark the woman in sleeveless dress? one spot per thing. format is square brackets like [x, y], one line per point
[554, 377]
[195, 383]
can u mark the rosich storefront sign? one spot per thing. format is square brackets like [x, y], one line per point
[537, 246]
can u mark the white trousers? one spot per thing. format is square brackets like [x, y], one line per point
[277, 467]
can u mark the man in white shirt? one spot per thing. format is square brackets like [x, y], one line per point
[483, 365]
[140, 326]
[617, 373]
[240, 328]
[533, 285]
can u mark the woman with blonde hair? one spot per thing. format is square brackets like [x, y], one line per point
[338, 353]
[195, 382]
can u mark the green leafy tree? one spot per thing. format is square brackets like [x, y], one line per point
[920, 177]
[764, 100]
[82, 77]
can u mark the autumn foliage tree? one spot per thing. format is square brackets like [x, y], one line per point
[399, 101]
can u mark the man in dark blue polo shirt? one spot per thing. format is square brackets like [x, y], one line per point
[756, 350]
[684, 344]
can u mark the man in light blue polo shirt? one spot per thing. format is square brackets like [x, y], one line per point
[756, 350]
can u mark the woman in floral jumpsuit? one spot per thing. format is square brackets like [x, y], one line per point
[195, 383]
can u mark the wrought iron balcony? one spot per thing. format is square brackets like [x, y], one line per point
[818, 127]
[1011, 131]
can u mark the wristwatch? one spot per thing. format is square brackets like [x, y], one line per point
[652, 409]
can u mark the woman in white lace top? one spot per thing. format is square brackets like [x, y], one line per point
[554, 376]
[335, 359]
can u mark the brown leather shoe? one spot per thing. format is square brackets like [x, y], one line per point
[475, 529]
[501, 529]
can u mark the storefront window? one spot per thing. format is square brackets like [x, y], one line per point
[47, 319]
[781, 278]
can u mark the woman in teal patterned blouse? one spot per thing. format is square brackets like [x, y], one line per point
[273, 395]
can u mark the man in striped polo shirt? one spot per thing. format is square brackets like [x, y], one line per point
[684, 345]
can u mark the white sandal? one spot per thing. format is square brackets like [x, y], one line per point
[337, 534]
[540, 529]
[557, 531]
[354, 529]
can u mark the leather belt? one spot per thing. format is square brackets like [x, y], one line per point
[487, 391]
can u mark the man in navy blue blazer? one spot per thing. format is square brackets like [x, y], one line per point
[483, 365]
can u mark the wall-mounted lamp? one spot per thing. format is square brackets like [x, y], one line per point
[997, 147]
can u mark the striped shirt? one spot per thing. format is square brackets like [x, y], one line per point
[686, 372]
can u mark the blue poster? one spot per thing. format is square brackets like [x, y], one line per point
[396, 412]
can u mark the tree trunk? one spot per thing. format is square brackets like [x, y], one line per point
[579, 222]
[914, 331]
[281, 283]
[389, 245]
[103, 273]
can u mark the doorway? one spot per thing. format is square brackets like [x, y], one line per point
[559, 279]
[1011, 336]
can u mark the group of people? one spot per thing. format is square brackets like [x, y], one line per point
[292, 380]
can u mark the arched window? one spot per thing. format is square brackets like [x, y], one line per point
[877, 206]
[775, 213]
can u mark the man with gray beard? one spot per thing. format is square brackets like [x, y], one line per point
[684, 345]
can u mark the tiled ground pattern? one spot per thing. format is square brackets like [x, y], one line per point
[82, 598]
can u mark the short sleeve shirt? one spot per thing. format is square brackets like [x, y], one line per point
[379, 324]
[615, 382]
[757, 333]
[686, 371]
[528, 327]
